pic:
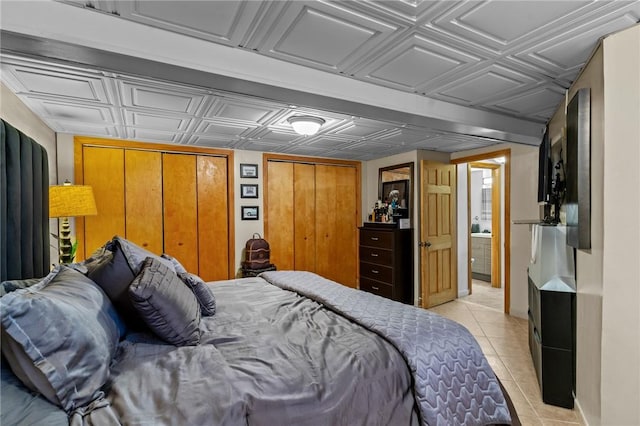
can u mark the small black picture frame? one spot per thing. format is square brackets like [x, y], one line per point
[250, 212]
[249, 171]
[248, 190]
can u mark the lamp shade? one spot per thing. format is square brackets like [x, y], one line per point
[306, 125]
[71, 201]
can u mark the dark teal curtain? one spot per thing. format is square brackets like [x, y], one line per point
[24, 206]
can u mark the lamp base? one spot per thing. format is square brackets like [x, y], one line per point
[65, 247]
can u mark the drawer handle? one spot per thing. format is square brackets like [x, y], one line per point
[374, 254]
[375, 288]
[374, 238]
[373, 271]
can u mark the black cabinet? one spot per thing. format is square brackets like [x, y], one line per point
[386, 262]
[552, 338]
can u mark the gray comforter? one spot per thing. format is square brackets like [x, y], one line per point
[453, 381]
[268, 357]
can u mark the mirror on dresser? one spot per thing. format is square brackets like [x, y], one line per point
[395, 187]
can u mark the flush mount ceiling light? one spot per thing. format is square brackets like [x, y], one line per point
[306, 125]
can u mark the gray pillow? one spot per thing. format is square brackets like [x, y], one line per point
[113, 267]
[59, 337]
[165, 304]
[203, 293]
[13, 285]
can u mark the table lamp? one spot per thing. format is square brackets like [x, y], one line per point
[67, 201]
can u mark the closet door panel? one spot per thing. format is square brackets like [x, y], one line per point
[279, 226]
[180, 209]
[213, 220]
[103, 170]
[336, 224]
[143, 199]
[304, 217]
[327, 255]
[346, 226]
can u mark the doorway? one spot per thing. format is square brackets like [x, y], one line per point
[497, 246]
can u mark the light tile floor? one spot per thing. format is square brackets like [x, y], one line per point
[504, 340]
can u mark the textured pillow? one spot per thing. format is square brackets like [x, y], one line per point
[165, 304]
[203, 293]
[59, 337]
[113, 267]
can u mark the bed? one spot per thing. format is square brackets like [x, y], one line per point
[285, 347]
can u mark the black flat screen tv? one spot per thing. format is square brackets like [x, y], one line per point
[544, 170]
[578, 204]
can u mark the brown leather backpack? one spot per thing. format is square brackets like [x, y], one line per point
[256, 253]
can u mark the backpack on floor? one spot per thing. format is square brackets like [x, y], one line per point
[256, 253]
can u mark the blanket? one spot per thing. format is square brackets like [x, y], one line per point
[453, 381]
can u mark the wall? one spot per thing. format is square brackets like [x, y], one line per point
[524, 206]
[16, 113]
[620, 376]
[244, 229]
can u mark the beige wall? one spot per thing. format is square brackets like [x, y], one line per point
[620, 376]
[589, 262]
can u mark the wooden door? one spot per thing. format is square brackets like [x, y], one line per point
[336, 224]
[103, 170]
[213, 219]
[180, 208]
[438, 261]
[304, 188]
[143, 199]
[279, 218]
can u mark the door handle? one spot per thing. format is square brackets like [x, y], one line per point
[425, 244]
[374, 254]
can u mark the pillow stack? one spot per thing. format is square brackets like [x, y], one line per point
[60, 333]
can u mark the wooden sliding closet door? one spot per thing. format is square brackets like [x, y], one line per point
[180, 208]
[143, 199]
[213, 225]
[103, 170]
[336, 224]
[280, 214]
[304, 217]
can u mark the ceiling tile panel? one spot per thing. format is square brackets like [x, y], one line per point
[488, 83]
[54, 83]
[414, 62]
[155, 121]
[79, 113]
[219, 21]
[154, 136]
[225, 129]
[328, 36]
[86, 129]
[242, 110]
[532, 102]
[160, 97]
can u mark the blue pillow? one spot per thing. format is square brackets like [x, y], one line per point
[113, 267]
[59, 337]
[203, 293]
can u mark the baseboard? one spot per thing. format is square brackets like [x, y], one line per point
[579, 412]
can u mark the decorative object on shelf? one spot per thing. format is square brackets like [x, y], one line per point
[249, 171]
[248, 191]
[250, 212]
[67, 201]
[305, 125]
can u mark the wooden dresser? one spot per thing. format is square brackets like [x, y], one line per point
[386, 262]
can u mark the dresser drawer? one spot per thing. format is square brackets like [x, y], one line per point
[376, 255]
[376, 272]
[373, 238]
[376, 288]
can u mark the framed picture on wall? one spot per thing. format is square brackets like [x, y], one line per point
[249, 171]
[250, 212]
[248, 191]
